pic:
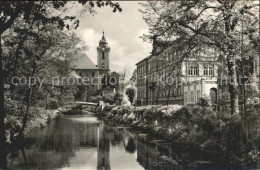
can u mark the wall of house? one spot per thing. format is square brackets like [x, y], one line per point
[161, 66]
[141, 82]
[92, 75]
[192, 92]
[196, 89]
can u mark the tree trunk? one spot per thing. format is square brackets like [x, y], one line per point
[3, 159]
[25, 117]
[28, 104]
[234, 100]
[233, 87]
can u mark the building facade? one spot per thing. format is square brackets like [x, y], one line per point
[142, 82]
[170, 78]
[165, 79]
[84, 68]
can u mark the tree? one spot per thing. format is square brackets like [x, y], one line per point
[108, 98]
[169, 82]
[95, 99]
[205, 101]
[215, 24]
[29, 12]
[111, 80]
[130, 92]
[46, 56]
[118, 97]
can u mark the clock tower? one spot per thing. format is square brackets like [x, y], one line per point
[103, 51]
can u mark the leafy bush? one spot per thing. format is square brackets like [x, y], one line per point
[109, 98]
[39, 118]
[125, 101]
[217, 137]
[52, 104]
[14, 111]
[95, 99]
[118, 97]
[130, 92]
[205, 101]
[108, 108]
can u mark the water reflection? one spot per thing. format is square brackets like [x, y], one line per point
[155, 154]
[76, 142]
[103, 154]
[83, 142]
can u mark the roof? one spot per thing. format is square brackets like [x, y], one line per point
[82, 61]
[141, 61]
[103, 40]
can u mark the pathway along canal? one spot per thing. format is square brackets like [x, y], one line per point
[84, 142]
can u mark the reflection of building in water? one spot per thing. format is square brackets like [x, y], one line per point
[85, 135]
[103, 154]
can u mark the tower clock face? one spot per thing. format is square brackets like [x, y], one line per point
[103, 49]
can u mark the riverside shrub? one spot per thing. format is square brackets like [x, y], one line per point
[217, 137]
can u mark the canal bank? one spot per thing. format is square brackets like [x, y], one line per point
[198, 133]
[43, 118]
[40, 118]
[120, 142]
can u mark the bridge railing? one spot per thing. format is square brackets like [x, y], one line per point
[83, 103]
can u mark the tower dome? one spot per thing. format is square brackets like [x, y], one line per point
[103, 54]
[103, 40]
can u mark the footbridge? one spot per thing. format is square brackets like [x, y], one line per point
[79, 107]
[83, 104]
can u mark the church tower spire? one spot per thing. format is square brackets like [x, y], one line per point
[103, 51]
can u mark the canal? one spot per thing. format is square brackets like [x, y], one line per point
[84, 142]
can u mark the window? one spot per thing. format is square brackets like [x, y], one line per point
[179, 90]
[208, 70]
[103, 55]
[103, 65]
[205, 70]
[193, 70]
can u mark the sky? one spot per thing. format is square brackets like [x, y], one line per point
[122, 31]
